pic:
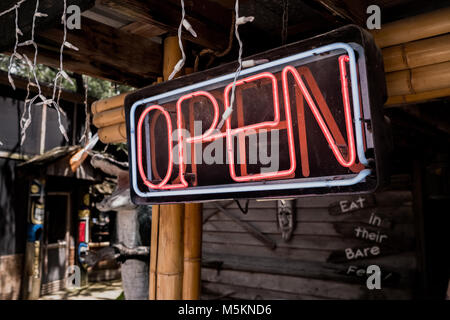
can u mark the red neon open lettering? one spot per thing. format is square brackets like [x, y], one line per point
[215, 120]
[195, 138]
[163, 183]
[347, 109]
[209, 136]
[262, 125]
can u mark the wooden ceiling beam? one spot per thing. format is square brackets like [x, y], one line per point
[352, 11]
[50, 57]
[52, 8]
[108, 45]
[166, 15]
[104, 52]
[143, 29]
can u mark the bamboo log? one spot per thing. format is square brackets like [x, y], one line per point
[417, 54]
[109, 117]
[419, 97]
[413, 28]
[113, 134]
[167, 252]
[417, 80]
[154, 252]
[109, 103]
[169, 274]
[169, 286]
[193, 224]
[172, 57]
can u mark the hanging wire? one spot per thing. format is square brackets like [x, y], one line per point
[180, 63]
[243, 210]
[25, 120]
[217, 54]
[18, 32]
[57, 84]
[87, 123]
[183, 23]
[12, 8]
[13, 56]
[239, 21]
[284, 27]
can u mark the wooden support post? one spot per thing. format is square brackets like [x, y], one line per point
[154, 252]
[167, 281]
[172, 54]
[167, 246]
[193, 224]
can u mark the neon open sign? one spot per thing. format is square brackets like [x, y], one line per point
[301, 124]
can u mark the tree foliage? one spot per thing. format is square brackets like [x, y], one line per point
[97, 88]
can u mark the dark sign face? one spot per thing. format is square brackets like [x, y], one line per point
[300, 124]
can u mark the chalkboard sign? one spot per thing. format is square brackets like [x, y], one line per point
[306, 122]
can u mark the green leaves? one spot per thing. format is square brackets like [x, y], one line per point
[97, 88]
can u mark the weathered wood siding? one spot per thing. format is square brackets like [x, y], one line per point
[321, 260]
[10, 276]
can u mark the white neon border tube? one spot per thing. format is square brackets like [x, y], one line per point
[279, 186]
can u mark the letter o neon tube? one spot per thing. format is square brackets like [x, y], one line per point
[139, 147]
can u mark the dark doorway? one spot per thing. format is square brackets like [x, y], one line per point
[56, 241]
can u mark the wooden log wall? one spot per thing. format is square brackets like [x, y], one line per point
[335, 239]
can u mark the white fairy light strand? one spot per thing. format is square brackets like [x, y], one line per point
[87, 124]
[26, 122]
[61, 71]
[57, 83]
[29, 84]
[239, 20]
[12, 8]
[17, 32]
[13, 56]
[183, 23]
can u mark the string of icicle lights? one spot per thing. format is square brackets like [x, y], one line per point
[33, 81]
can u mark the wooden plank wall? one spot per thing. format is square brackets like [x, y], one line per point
[326, 257]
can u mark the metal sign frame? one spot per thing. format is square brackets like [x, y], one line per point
[362, 104]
